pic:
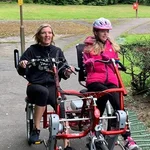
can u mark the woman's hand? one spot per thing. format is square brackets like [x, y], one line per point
[23, 63]
[69, 71]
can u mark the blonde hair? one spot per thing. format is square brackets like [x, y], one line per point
[99, 46]
[37, 34]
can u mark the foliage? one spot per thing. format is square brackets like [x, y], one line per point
[82, 2]
[147, 2]
[138, 56]
[98, 2]
[128, 1]
[28, 1]
[75, 2]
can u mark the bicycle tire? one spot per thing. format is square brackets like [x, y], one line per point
[29, 121]
[29, 129]
[121, 146]
[101, 146]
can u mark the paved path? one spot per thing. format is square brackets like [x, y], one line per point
[12, 90]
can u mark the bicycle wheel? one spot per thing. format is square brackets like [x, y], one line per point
[101, 146]
[121, 146]
[29, 120]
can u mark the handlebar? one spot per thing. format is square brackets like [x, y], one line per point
[47, 63]
[104, 61]
[42, 64]
[121, 66]
[77, 69]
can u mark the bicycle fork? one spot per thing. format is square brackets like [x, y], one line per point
[95, 141]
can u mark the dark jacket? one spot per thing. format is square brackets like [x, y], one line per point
[33, 74]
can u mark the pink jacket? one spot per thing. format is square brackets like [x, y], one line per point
[98, 71]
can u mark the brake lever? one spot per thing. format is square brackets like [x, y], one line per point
[77, 69]
[123, 68]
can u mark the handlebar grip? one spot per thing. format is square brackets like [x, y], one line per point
[123, 68]
[77, 69]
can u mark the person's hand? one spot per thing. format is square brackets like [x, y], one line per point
[23, 63]
[69, 71]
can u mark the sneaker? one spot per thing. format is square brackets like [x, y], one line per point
[34, 137]
[131, 144]
[69, 148]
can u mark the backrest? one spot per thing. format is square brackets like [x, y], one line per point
[82, 73]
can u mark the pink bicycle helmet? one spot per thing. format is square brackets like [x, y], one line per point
[102, 23]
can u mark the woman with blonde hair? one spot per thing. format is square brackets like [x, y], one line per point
[42, 87]
[101, 76]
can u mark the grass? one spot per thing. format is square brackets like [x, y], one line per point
[131, 38]
[52, 13]
[11, 11]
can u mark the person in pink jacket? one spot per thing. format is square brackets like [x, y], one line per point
[101, 76]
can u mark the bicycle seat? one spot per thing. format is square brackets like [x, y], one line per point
[28, 100]
[83, 90]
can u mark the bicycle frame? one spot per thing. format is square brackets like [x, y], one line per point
[95, 112]
[96, 117]
[88, 96]
[94, 108]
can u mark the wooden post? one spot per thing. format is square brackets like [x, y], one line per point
[22, 36]
[137, 2]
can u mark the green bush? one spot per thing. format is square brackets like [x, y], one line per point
[128, 1]
[74, 2]
[60, 2]
[138, 56]
[28, 1]
[9, 1]
[48, 2]
[81, 2]
[113, 1]
[147, 2]
[98, 2]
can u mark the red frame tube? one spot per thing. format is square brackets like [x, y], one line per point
[121, 90]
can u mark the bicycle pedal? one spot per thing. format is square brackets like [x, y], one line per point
[38, 142]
